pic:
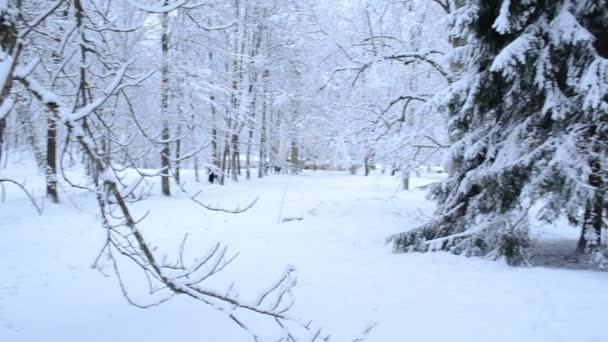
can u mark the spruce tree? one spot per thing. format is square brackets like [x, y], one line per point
[8, 42]
[529, 124]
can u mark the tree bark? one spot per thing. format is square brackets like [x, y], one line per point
[2, 128]
[215, 136]
[591, 230]
[250, 127]
[51, 159]
[224, 161]
[197, 177]
[295, 158]
[165, 153]
[405, 180]
[178, 148]
[236, 162]
[263, 133]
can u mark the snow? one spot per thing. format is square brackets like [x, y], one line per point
[347, 276]
[110, 90]
[565, 28]
[6, 106]
[515, 52]
[6, 64]
[501, 24]
[594, 84]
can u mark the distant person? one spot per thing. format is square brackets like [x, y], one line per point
[212, 177]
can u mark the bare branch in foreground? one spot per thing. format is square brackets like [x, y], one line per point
[237, 210]
[27, 193]
[169, 278]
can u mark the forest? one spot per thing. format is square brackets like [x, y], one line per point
[303, 170]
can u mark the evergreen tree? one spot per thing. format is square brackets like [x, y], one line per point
[529, 125]
[8, 40]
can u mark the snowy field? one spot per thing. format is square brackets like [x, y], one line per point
[348, 277]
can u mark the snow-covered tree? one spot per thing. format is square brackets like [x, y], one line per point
[529, 126]
[8, 40]
[376, 78]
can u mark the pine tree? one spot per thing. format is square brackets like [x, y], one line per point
[529, 125]
[8, 42]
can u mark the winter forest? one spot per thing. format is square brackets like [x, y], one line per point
[303, 170]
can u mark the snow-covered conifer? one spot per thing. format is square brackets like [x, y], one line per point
[529, 121]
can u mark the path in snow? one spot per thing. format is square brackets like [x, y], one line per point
[347, 275]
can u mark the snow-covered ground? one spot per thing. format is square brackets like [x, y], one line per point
[348, 277]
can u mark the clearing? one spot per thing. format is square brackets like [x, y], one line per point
[334, 236]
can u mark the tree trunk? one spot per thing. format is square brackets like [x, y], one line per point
[51, 160]
[235, 165]
[214, 136]
[252, 108]
[237, 156]
[165, 162]
[215, 152]
[197, 177]
[581, 247]
[295, 157]
[224, 162]
[248, 156]
[178, 147]
[591, 231]
[262, 156]
[2, 127]
[165, 134]
[405, 180]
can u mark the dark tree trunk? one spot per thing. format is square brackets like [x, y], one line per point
[581, 247]
[2, 127]
[178, 147]
[248, 157]
[236, 164]
[51, 160]
[591, 231]
[165, 162]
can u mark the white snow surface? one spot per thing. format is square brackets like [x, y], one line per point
[347, 276]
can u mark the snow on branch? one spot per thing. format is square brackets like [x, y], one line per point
[49, 98]
[594, 84]
[406, 59]
[38, 20]
[158, 9]
[514, 53]
[565, 28]
[501, 24]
